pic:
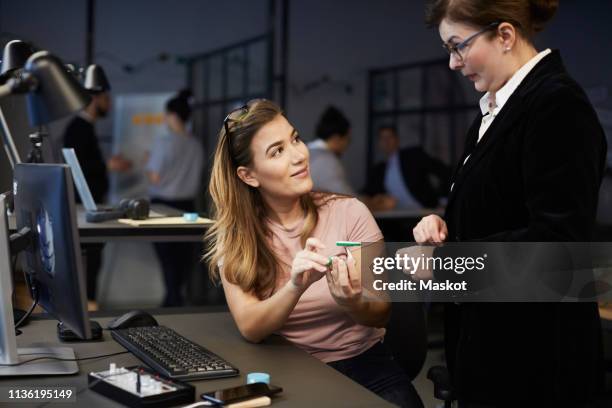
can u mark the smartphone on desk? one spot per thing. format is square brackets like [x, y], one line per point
[241, 393]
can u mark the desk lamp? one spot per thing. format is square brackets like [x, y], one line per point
[95, 79]
[14, 57]
[52, 93]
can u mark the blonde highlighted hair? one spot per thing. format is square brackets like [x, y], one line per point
[238, 239]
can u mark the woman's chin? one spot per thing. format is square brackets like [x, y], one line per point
[307, 186]
[480, 87]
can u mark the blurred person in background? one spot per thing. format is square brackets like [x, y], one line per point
[80, 134]
[409, 178]
[333, 137]
[174, 170]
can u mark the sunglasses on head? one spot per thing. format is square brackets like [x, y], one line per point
[238, 114]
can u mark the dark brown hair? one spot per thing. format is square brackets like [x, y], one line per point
[527, 16]
[180, 105]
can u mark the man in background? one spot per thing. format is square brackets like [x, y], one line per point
[333, 136]
[80, 134]
[409, 178]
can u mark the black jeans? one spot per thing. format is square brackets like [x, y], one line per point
[176, 259]
[377, 370]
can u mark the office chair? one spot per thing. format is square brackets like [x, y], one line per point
[443, 389]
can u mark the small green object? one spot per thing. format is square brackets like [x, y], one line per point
[329, 262]
[348, 243]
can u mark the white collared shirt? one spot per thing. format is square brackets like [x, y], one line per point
[490, 108]
[318, 144]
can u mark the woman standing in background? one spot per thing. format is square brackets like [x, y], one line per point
[174, 170]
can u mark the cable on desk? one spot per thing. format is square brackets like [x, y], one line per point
[61, 359]
[29, 312]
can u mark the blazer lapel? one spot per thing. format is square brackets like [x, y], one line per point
[501, 127]
[470, 142]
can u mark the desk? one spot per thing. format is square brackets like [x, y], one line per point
[306, 381]
[112, 231]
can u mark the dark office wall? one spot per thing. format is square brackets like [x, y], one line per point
[339, 39]
[137, 30]
[57, 26]
[581, 30]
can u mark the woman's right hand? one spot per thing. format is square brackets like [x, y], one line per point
[430, 230]
[308, 266]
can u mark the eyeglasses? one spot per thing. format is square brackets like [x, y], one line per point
[238, 114]
[458, 50]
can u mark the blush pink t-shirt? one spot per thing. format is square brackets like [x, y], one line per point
[317, 324]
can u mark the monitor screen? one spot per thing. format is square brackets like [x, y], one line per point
[44, 202]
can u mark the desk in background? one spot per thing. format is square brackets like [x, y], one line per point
[110, 231]
[116, 232]
[307, 382]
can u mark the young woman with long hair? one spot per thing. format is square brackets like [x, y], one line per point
[270, 246]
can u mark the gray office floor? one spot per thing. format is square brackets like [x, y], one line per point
[424, 386]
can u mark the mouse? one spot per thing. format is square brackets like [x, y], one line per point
[135, 318]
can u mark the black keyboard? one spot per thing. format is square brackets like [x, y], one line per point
[172, 355]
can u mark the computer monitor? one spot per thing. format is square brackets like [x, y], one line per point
[79, 179]
[44, 204]
[15, 361]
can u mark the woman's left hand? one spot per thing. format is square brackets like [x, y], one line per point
[344, 281]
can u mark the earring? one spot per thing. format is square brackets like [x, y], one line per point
[507, 49]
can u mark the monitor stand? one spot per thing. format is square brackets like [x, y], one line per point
[41, 367]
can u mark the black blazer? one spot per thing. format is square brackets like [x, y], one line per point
[81, 136]
[417, 167]
[534, 176]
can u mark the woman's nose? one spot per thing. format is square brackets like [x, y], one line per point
[454, 62]
[299, 155]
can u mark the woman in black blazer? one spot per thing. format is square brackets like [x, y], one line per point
[533, 163]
